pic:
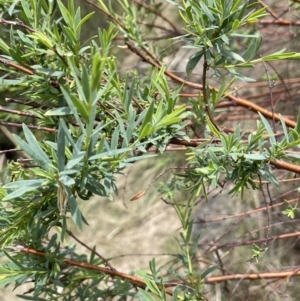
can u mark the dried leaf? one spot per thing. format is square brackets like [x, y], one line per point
[139, 195]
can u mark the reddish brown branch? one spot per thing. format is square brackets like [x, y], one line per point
[271, 275]
[16, 112]
[217, 219]
[240, 101]
[250, 242]
[32, 104]
[280, 22]
[16, 66]
[34, 127]
[136, 281]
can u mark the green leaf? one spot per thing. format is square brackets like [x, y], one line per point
[4, 47]
[110, 153]
[145, 296]
[83, 20]
[233, 55]
[75, 160]
[66, 180]
[148, 118]
[27, 12]
[146, 131]
[75, 211]
[61, 146]
[33, 184]
[240, 76]
[97, 72]
[33, 148]
[18, 193]
[258, 157]
[253, 48]
[66, 14]
[59, 111]
[268, 128]
[207, 12]
[193, 61]
[208, 271]
[284, 128]
[86, 84]
[73, 107]
[11, 82]
[298, 122]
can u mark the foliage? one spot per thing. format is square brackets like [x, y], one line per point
[92, 124]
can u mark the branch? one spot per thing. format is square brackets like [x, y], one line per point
[240, 101]
[34, 127]
[157, 13]
[107, 264]
[249, 242]
[16, 66]
[243, 214]
[21, 24]
[271, 275]
[135, 281]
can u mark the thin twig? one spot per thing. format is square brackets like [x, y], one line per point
[285, 279]
[34, 127]
[268, 214]
[15, 23]
[158, 13]
[10, 150]
[218, 219]
[254, 276]
[16, 112]
[107, 264]
[271, 86]
[249, 242]
[16, 66]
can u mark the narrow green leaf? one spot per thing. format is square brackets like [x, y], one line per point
[253, 48]
[61, 147]
[73, 108]
[33, 149]
[63, 125]
[208, 271]
[18, 193]
[148, 118]
[66, 14]
[83, 20]
[145, 296]
[146, 131]
[193, 61]
[4, 47]
[75, 160]
[33, 184]
[298, 122]
[66, 180]
[59, 111]
[86, 84]
[268, 128]
[75, 211]
[259, 157]
[11, 82]
[110, 153]
[284, 128]
[207, 12]
[115, 138]
[240, 76]
[27, 12]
